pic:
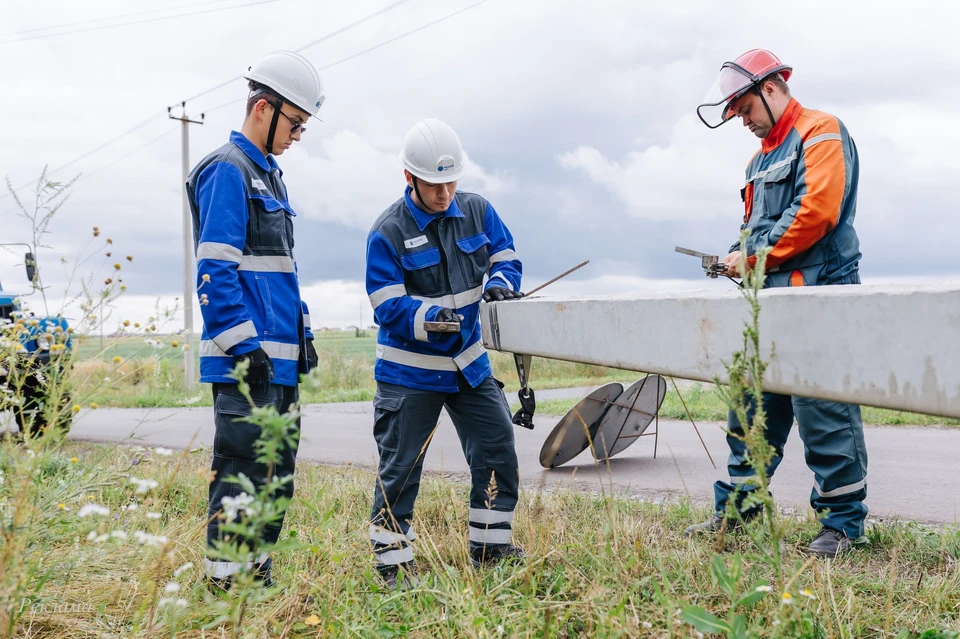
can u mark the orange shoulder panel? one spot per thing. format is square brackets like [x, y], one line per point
[825, 181]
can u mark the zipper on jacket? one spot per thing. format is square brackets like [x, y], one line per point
[448, 290]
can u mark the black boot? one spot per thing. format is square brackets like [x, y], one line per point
[829, 543]
[715, 524]
[490, 555]
[399, 576]
[261, 575]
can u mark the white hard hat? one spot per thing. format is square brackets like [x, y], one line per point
[292, 77]
[432, 152]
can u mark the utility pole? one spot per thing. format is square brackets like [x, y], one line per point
[189, 270]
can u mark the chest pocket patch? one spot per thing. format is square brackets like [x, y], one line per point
[271, 222]
[422, 273]
[775, 191]
[475, 258]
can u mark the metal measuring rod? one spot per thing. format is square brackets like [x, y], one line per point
[712, 266]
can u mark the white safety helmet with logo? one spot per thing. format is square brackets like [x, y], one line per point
[291, 78]
[432, 152]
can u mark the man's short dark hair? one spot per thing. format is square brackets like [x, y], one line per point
[258, 92]
[777, 80]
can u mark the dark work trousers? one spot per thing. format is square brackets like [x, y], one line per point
[832, 434]
[404, 419]
[233, 453]
[833, 444]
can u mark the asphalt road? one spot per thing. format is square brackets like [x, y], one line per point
[912, 471]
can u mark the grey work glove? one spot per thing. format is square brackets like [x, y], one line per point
[260, 371]
[500, 294]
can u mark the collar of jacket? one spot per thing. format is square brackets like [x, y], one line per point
[266, 163]
[783, 126]
[423, 218]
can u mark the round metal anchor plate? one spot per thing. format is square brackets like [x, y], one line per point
[567, 439]
[629, 416]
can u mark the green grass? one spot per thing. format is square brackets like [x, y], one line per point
[598, 566]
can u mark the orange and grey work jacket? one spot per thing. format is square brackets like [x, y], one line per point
[801, 198]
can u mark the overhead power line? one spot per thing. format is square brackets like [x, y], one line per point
[88, 153]
[119, 17]
[373, 48]
[126, 155]
[126, 24]
[328, 66]
[343, 29]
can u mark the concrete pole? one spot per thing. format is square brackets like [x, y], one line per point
[189, 268]
[891, 346]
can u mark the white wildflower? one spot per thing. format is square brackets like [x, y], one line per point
[97, 539]
[154, 515]
[131, 506]
[809, 595]
[157, 541]
[500, 630]
[119, 534]
[182, 569]
[763, 588]
[143, 485]
[182, 603]
[171, 588]
[93, 509]
[647, 625]
[232, 506]
[165, 452]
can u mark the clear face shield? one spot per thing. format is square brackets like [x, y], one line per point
[732, 82]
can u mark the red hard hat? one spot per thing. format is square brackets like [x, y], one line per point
[735, 79]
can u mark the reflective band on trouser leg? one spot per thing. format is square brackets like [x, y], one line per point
[224, 569]
[391, 548]
[490, 536]
[490, 527]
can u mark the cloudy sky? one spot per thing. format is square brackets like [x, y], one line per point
[578, 118]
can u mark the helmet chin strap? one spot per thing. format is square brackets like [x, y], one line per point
[416, 189]
[276, 117]
[773, 120]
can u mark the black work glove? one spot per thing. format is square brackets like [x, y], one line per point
[260, 371]
[447, 315]
[313, 360]
[500, 294]
[528, 406]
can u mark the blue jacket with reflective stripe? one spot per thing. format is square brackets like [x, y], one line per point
[418, 263]
[246, 274]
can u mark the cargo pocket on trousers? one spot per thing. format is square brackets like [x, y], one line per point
[235, 436]
[387, 421]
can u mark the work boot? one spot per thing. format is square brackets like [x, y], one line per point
[261, 575]
[399, 576]
[490, 555]
[715, 524]
[829, 543]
